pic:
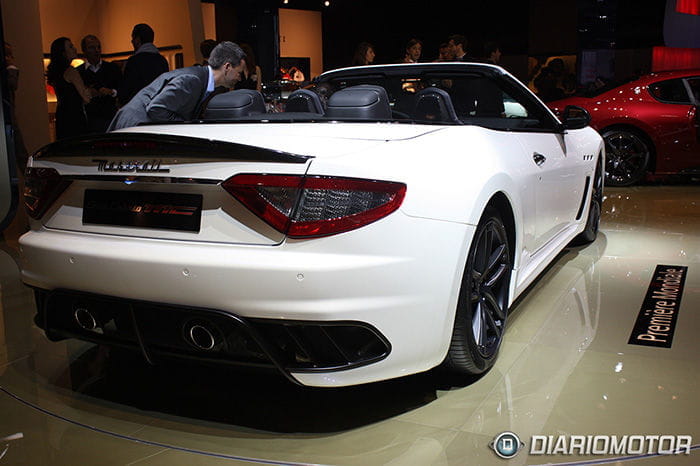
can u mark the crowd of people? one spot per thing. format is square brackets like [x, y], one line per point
[551, 80]
[100, 96]
[454, 49]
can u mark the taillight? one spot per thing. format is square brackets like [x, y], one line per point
[42, 186]
[309, 206]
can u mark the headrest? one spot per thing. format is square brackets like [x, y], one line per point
[434, 105]
[364, 102]
[303, 100]
[234, 104]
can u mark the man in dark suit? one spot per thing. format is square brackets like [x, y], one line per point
[105, 77]
[178, 95]
[458, 48]
[145, 65]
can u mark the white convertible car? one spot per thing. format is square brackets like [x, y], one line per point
[379, 227]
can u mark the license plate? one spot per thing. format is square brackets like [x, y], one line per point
[142, 209]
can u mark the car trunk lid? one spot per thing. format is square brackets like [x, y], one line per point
[158, 186]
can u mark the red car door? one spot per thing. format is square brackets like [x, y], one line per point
[674, 120]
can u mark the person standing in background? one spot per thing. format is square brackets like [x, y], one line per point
[12, 79]
[492, 53]
[206, 46]
[458, 48]
[444, 52]
[102, 76]
[364, 54]
[251, 78]
[413, 51]
[145, 65]
[179, 95]
[71, 92]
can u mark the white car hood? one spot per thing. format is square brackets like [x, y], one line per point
[313, 139]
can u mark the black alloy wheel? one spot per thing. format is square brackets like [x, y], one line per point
[590, 233]
[483, 300]
[627, 156]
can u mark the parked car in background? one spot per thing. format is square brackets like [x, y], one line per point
[650, 125]
[376, 234]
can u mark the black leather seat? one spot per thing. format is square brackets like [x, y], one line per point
[363, 102]
[234, 104]
[304, 101]
[434, 105]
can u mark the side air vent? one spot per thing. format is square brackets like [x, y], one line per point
[583, 199]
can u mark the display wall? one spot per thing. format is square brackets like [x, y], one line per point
[301, 36]
[175, 22]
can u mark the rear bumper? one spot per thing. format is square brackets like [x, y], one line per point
[403, 288]
[207, 335]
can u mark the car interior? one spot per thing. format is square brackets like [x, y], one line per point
[442, 100]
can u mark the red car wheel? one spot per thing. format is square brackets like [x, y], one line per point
[627, 155]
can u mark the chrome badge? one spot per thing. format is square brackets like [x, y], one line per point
[130, 166]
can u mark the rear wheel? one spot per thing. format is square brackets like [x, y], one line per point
[627, 156]
[483, 299]
[589, 234]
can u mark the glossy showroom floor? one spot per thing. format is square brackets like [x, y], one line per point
[565, 368]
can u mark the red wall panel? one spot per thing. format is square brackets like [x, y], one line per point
[690, 7]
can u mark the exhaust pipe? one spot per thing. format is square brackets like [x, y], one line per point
[84, 318]
[202, 335]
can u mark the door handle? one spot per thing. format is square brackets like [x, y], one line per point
[538, 158]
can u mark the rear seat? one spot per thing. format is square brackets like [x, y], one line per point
[364, 102]
[434, 105]
[234, 105]
[304, 101]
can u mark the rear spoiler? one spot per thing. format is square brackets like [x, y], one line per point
[131, 145]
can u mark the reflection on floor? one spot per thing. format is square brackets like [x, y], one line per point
[565, 368]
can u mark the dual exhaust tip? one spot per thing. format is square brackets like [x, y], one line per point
[202, 335]
[199, 333]
[85, 319]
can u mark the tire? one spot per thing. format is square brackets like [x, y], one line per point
[482, 306]
[628, 153]
[590, 233]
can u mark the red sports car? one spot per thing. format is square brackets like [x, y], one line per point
[650, 125]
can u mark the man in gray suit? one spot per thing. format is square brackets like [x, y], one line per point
[179, 94]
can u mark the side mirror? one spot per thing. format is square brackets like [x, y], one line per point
[575, 117]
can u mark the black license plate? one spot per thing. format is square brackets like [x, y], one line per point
[141, 209]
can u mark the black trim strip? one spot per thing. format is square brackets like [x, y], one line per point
[139, 338]
[583, 199]
[148, 145]
[141, 179]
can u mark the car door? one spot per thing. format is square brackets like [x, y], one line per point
[693, 86]
[560, 183]
[675, 123]
[555, 165]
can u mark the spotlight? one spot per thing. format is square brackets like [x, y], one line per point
[327, 3]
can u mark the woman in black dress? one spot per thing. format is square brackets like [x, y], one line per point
[71, 92]
[251, 78]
